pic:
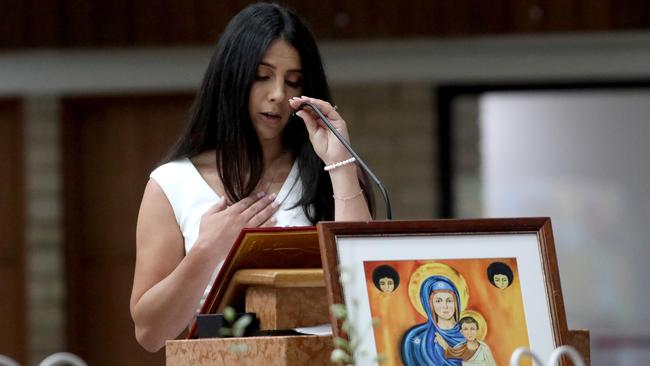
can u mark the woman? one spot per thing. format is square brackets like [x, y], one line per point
[243, 161]
[421, 344]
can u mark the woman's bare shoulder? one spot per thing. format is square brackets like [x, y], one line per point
[156, 216]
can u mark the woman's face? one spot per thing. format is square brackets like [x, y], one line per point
[501, 281]
[443, 304]
[386, 284]
[278, 79]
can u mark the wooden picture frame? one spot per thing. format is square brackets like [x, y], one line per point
[445, 254]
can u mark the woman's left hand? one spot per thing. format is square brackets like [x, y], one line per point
[326, 145]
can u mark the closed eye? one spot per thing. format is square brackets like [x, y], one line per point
[294, 84]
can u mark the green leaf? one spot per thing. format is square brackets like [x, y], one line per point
[239, 328]
[345, 275]
[339, 311]
[341, 343]
[225, 332]
[345, 278]
[346, 327]
[229, 314]
[340, 356]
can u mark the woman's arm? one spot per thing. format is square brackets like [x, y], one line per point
[168, 285]
[349, 202]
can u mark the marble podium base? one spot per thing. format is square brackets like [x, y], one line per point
[279, 350]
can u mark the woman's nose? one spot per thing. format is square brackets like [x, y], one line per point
[277, 92]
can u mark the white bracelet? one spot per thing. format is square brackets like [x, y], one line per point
[339, 164]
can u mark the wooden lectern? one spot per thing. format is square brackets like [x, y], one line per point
[272, 294]
[277, 274]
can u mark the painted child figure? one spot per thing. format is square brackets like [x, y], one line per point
[473, 352]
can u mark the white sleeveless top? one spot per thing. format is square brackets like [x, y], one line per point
[190, 196]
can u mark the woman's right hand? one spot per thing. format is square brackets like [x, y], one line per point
[221, 224]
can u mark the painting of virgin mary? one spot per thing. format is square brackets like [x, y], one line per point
[440, 300]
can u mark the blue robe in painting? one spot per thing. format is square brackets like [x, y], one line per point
[418, 345]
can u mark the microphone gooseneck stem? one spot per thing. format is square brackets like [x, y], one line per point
[360, 161]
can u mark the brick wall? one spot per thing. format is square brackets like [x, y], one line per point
[45, 271]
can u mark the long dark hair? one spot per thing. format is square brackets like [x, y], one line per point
[220, 117]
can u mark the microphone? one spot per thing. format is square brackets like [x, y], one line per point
[347, 146]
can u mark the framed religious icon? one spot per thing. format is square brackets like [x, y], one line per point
[445, 292]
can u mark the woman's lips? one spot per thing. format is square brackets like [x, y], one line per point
[270, 117]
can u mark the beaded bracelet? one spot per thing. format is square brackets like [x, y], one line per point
[339, 164]
[349, 197]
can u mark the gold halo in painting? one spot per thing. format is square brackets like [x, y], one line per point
[482, 324]
[436, 269]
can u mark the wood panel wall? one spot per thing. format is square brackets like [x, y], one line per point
[111, 144]
[97, 23]
[13, 301]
